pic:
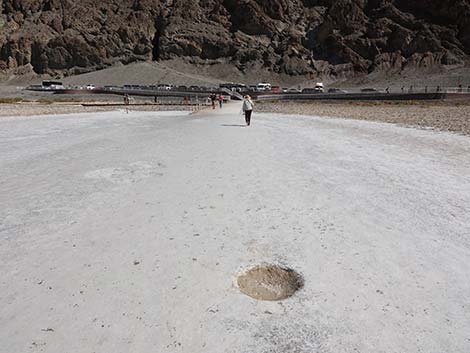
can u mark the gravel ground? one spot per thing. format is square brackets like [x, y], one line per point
[31, 109]
[126, 233]
[453, 117]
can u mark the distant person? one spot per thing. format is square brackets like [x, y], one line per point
[126, 99]
[387, 89]
[213, 97]
[247, 109]
[221, 101]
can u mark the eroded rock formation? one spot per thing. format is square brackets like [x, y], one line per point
[297, 37]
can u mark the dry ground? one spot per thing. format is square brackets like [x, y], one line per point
[444, 116]
[31, 109]
[126, 233]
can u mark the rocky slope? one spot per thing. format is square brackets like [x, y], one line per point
[298, 37]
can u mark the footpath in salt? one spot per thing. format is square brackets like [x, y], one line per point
[126, 233]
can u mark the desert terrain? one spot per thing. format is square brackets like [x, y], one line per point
[157, 226]
[127, 232]
[451, 116]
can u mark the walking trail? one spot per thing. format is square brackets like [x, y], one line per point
[125, 233]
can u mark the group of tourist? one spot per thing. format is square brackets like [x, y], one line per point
[214, 98]
[247, 106]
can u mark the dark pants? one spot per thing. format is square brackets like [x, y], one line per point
[248, 116]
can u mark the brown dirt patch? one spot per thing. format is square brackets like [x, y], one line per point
[445, 116]
[269, 282]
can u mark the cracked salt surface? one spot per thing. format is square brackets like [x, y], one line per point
[132, 173]
[373, 216]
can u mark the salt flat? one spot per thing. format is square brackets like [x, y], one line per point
[125, 233]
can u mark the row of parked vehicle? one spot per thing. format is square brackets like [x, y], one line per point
[163, 87]
[236, 87]
[260, 87]
[267, 87]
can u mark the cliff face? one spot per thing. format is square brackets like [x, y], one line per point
[297, 37]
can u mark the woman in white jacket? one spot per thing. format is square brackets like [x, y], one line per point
[247, 108]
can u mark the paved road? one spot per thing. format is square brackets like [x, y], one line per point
[124, 233]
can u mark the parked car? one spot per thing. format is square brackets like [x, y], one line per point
[128, 87]
[240, 88]
[336, 90]
[319, 87]
[89, 86]
[235, 87]
[263, 86]
[35, 88]
[309, 90]
[164, 87]
[228, 85]
[52, 85]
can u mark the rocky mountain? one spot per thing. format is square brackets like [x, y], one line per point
[297, 37]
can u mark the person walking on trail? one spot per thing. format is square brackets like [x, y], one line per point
[213, 97]
[221, 101]
[247, 109]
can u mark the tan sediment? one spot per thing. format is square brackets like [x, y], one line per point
[269, 282]
[32, 109]
[444, 116]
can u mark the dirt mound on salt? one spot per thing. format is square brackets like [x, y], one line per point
[269, 282]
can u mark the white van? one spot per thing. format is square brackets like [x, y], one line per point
[319, 87]
[52, 85]
[263, 86]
